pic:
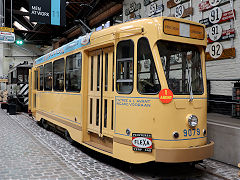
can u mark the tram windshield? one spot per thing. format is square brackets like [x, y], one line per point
[182, 67]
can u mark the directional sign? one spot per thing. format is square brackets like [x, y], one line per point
[225, 35]
[217, 17]
[6, 29]
[215, 32]
[179, 11]
[216, 50]
[154, 8]
[173, 3]
[226, 54]
[206, 5]
[7, 37]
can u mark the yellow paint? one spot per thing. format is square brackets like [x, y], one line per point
[140, 114]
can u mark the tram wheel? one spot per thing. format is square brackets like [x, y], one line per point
[68, 137]
[45, 124]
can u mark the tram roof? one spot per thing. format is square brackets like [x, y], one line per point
[132, 27]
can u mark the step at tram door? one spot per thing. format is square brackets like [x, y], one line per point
[101, 98]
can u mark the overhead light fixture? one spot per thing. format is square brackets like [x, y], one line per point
[23, 9]
[19, 26]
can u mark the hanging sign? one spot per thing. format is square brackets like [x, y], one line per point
[216, 50]
[173, 3]
[215, 32]
[166, 96]
[218, 34]
[217, 16]
[7, 37]
[226, 54]
[133, 7]
[6, 29]
[154, 8]
[48, 11]
[179, 11]
[147, 2]
[203, 6]
[142, 142]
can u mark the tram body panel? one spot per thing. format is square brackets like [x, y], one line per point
[105, 119]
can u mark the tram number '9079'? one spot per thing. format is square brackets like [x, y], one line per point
[191, 132]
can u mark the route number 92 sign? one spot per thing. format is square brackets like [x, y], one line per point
[216, 50]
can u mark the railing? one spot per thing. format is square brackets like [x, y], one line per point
[229, 105]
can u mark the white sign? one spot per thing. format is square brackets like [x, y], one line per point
[216, 50]
[214, 2]
[142, 142]
[152, 9]
[7, 37]
[177, 1]
[215, 32]
[215, 15]
[179, 11]
[85, 39]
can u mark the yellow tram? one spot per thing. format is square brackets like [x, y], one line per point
[134, 91]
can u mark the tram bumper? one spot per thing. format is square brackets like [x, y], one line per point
[175, 155]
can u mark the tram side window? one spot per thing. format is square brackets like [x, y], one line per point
[48, 76]
[148, 82]
[36, 80]
[58, 75]
[41, 78]
[124, 75]
[73, 72]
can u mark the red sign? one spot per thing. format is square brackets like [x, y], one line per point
[227, 16]
[226, 34]
[204, 6]
[166, 96]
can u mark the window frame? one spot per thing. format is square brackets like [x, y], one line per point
[41, 89]
[53, 76]
[116, 60]
[155, 69]
[65, 74]
[44, 84]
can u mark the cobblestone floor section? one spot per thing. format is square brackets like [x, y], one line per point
[28, 151]
[32, 152]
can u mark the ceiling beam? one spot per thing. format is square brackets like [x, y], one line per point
[31, 31]
[17, 12]
[106, 14]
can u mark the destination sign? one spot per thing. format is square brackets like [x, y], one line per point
[183, 29]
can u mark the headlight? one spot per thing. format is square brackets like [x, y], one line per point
[192, 121]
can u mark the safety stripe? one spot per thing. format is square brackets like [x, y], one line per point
[23, 88]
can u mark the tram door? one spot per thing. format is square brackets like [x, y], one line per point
[34, 86]
[100, 92]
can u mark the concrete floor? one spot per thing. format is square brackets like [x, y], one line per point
[225, 132]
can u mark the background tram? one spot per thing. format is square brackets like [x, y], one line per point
[135, 91]
[17, 86]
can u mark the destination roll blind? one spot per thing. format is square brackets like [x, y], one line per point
[48, 12]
